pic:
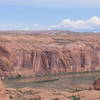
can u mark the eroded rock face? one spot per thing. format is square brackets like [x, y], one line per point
[49, 53]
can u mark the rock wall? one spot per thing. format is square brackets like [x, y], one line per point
[27, 59]
[52, 61]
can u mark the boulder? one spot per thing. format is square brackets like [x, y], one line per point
[96, 83]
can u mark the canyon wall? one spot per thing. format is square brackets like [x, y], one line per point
[50, 53]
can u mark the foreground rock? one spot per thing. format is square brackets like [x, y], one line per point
[3, 95]
[43, 94]
[96, 83]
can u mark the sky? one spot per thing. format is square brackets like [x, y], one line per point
[74, 15]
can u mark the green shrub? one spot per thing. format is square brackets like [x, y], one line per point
[18, 76]
[75, 98]
[43, 81]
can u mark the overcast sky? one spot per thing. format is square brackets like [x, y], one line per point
[76, 15]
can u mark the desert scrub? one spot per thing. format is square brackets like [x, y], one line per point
[77, 90]
[55, 99]
[74, 98]
[14, 77]
[43, 81]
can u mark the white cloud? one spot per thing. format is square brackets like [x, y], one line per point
[91, 24]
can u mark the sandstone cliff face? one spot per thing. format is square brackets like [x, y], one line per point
[49, 53]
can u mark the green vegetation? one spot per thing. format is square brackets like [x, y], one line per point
[77, 90]
[62, 41]
[54, 75]
[43, 81]
[69, 73]
[15, 77]
[74, 98]
[70, 82]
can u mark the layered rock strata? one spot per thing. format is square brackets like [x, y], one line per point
[49, 53]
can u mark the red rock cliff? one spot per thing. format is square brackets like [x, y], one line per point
[49, 53]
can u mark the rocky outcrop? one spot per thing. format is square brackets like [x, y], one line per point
[51, 94]
[49, 53]
[3, 95]
[96, 83]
